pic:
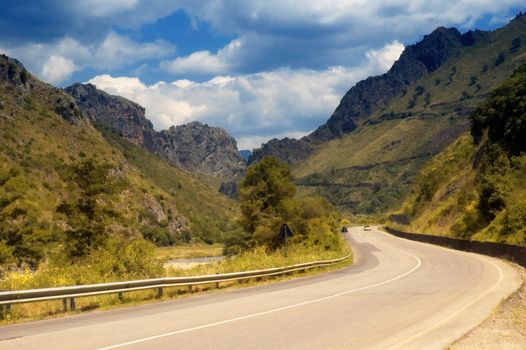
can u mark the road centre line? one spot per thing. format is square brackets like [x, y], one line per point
[209, 325]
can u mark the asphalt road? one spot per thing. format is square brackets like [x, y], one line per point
[398, 295]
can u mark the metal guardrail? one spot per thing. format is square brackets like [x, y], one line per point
[510, 252]
[69, 293]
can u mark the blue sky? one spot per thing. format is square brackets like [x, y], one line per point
[259, 69]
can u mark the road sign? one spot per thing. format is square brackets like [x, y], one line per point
[285, 231]
[344, 229]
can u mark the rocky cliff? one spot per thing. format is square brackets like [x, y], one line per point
[115, 112]
[194, 147]
[200, 148]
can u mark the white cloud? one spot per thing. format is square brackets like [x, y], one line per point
[103, 8]
[57, 69]
[203, 62]
[199, 62]
[118, 50]
[318, 34]
[252, 107]
[161, 107]
[385, 57]
[55, 62]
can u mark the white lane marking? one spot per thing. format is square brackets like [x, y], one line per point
[458, 311]
[186, 330]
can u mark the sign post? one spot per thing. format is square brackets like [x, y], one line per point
[285, 233]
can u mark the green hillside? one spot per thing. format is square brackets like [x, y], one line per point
[371, 169]
[475, 187]
[59, 175]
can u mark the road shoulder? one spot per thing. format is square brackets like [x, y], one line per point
[505, 328]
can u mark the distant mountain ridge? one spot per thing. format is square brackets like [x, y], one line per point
[368, 95]
[366, 157]
[195, 147]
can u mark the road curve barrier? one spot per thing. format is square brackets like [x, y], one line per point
[509, 252]
[69, 293]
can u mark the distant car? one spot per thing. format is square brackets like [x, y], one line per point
[367, 228]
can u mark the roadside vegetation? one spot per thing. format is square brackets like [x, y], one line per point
[90, 254]
[81, 205]
[475, 188]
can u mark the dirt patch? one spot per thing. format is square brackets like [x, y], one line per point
[506, 327]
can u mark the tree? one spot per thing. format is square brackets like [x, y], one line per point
[91, 213]
[264, 193]
[503, 115]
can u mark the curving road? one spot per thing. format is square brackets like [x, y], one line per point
[398, 295]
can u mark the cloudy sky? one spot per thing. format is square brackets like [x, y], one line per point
[257, 68]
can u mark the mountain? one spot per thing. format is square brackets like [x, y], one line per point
[200, 148]
[373, 93]
[194, 147]
[365, 158]
[116, 112]
[55, 166]
[474, 188]
[289, 150]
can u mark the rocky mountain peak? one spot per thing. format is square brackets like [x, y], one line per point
[202, 148]
[116, 112]
[430, 53]
[195, 147]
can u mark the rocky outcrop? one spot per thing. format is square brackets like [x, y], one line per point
[115, 112]
[200, 148]
[14, 72]
[368, 95]
[194, 147]
[229, 189]
[287, 149]
[25, 87]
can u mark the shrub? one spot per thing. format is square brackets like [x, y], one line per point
[500, 58]
[503, 114]
[509, 225]
[515, 44]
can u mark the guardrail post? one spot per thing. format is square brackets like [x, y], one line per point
[121, 296]
[72, 305]
[65, 304]
[159, 292]
[218, 285]
[6, 309]
[190, 288]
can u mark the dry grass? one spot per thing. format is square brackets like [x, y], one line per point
[188, 251]
[257, 259]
